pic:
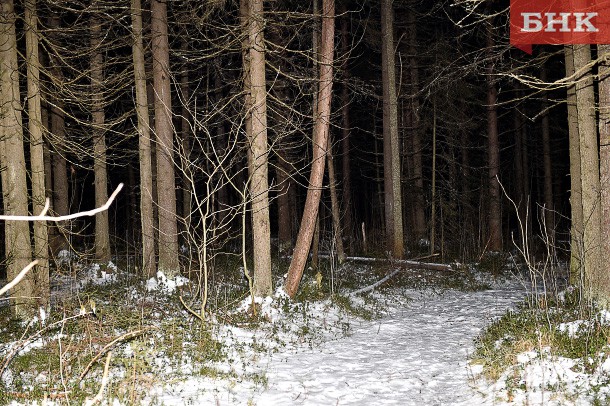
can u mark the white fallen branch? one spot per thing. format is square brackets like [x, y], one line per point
[100, 395]
[43, 217]
[19, 277]
[410, 263]
[374, 285]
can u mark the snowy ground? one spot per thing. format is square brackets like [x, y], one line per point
[415, 355]
[314, 353]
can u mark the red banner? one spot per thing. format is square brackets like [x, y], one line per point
[559, 22]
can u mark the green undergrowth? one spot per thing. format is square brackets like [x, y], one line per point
[155, 339]
[560, 326]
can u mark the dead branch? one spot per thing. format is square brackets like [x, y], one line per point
[125, 336]
[19, 277]
[100, 394]
[43, 217]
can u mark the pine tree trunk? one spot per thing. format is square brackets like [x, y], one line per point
[145, 156]
[391, 150]
[320, 142]
[334, 203]
[102, 228]
[283, 205]
[419, 206]
[595, 281]
[14, 186]
[259, 184]
[185, 149]
[348, 212]
[61, 190]
[577, 224]
[494, 213]
[549, 207]
[166, 182]
[35, 126]
[604, 153]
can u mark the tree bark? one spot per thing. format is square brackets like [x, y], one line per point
[37, 163]
[61, 190]
[604, 153]
[391, 145]
[166, 182]
[14, 175]
[285, 185]
[549, 207]
[102, 228]
[259, 150]
[494, 213]
[320, 142]
[334, 203]
[596, 284]
[144, 145]
[348, 212]
[419, 204]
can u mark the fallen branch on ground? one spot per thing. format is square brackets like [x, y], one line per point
[374, 285]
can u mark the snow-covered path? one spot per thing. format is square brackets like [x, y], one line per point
[417, 355]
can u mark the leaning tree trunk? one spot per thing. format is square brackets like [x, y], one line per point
[145, 157]
[391, 145]
[102, 228]
[259, 152]
[37, 162]
[14, 175]
[166, 182]
[320, 142]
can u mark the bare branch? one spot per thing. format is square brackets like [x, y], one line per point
[43, 217]
[19, 277]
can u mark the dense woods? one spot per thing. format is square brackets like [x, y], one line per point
[264, 129]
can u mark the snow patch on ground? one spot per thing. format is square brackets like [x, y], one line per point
[165, 284]
[416, 354]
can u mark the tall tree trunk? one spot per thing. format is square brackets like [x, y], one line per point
[604, 153]
[494, 213]
[577, 224]
[285, 185]
[14, 175]
[146, 166]
[348, 213]
[419, 206]
[35, 127]
[549, 207]
[391, 145]
[185, 150]
[520, 174]
[320, 142]
[596, 283]
[61, 189]
[166, 182]
[334, 203]
[257, 139]
[102, 228]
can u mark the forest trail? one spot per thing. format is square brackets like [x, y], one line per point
[415, 355]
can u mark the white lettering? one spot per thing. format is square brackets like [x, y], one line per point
[580, 22]
[551, 22]
[530, 24]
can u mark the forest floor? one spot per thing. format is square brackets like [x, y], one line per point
[416, 340]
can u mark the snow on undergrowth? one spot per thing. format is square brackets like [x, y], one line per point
[420, 338]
